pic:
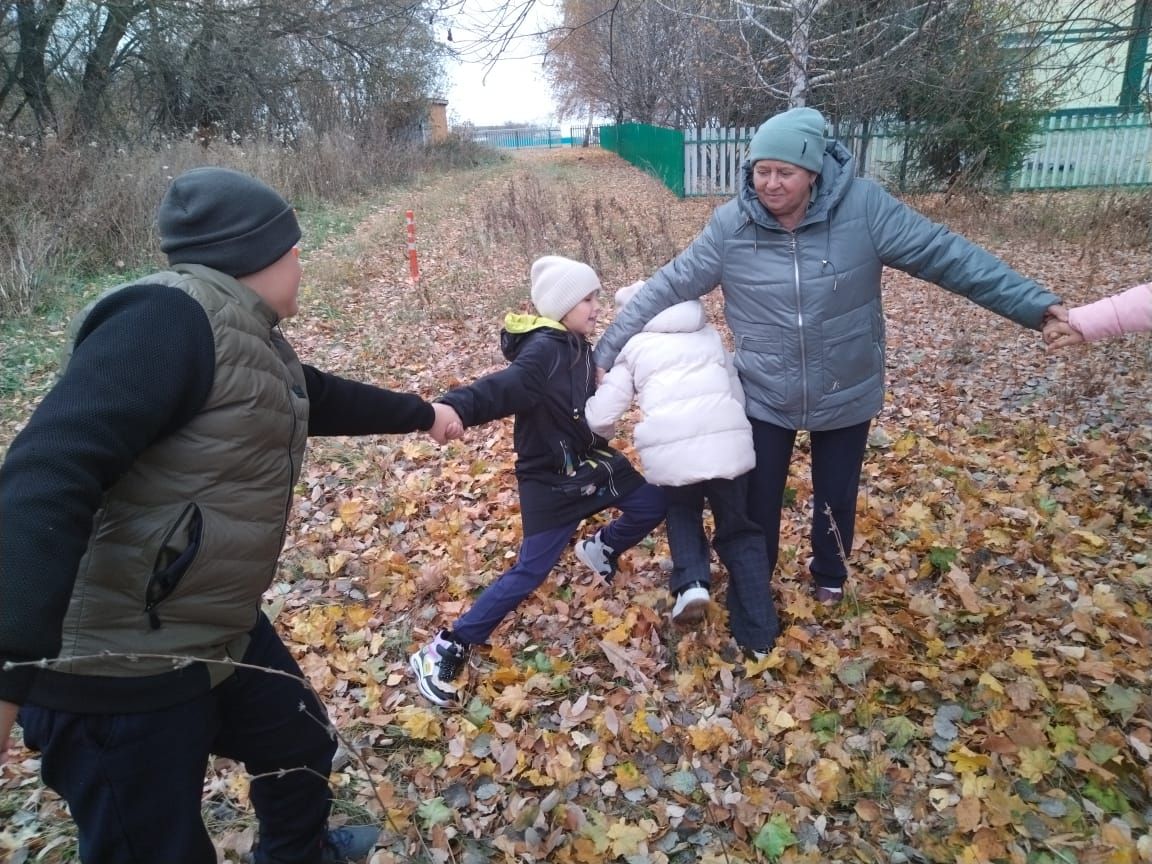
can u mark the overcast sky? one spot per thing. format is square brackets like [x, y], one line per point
[511, 90]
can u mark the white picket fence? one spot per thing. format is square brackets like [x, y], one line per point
[712, 159]
[1070, 151]
[1085, 150]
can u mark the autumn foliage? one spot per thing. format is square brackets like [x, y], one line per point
[981, 696]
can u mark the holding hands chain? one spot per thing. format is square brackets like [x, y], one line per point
[447, 426]
[1057, 331]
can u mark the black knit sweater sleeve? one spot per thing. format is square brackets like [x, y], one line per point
[337, 406]
[142, 367]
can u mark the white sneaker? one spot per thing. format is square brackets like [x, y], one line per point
[690, 604]
[596, 555]
[438, 667]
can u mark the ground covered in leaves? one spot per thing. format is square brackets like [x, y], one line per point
[982, 695]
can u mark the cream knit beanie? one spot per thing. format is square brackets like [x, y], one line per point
[558, 284]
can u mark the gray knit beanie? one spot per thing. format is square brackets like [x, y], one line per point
[225, 220]
[795, 136]
[558, 284]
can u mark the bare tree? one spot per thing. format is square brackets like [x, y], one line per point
[232, 65]
[663, 62]
[700, 61]
[30, 72]
[624, 58]
[100, 62]
[801, 50]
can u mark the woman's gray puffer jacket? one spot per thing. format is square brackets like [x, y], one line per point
[804, 306]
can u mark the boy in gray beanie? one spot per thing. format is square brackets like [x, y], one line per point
[196, 227]
[144, 508]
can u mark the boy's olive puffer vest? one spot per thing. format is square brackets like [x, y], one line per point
[187, 541]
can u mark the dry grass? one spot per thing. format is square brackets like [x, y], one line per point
[1092, 220]
[66, 214]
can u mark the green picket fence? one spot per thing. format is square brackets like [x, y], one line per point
[654, 149]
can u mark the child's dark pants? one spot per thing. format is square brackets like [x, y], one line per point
[641, 512]
[739, 543]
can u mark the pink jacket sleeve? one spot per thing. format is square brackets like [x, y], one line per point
[1127, 312]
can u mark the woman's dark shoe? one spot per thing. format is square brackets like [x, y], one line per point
[826, 596]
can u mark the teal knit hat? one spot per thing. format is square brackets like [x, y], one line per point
[795, 136]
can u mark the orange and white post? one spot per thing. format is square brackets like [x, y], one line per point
[413, 264]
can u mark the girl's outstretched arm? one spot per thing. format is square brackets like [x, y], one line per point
[1127, 312]
[509, 391]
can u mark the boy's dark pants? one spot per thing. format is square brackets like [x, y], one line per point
[837, 457]
[640, 512]
[134, 781]
[739, 543]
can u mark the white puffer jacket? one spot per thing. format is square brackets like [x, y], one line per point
[693, 425]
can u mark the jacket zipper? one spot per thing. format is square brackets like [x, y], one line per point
[611, 477]
[800, 323]
[293, 393]
[589, 379]
[152, 603]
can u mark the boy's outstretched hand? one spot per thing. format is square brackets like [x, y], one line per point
[1060, 334]
[447, 426]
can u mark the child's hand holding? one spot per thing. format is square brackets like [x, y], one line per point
[1060, 334]
[447, 426]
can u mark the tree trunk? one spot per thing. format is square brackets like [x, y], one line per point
[98, 66]
[34, 28]
[1134, 75]
[799, 48]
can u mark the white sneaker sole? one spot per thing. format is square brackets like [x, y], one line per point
[693, 609]
[425, 691]
[587, 561]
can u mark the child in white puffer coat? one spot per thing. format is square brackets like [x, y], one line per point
[695, 441]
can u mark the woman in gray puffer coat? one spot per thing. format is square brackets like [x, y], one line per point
[798, 255]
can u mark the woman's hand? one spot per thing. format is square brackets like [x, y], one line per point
[1060, 334]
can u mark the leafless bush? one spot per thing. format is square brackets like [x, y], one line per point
[534, 219]
[27, 250]
[334, 167]
[100, 204]
[459, 151]
[525, 216]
